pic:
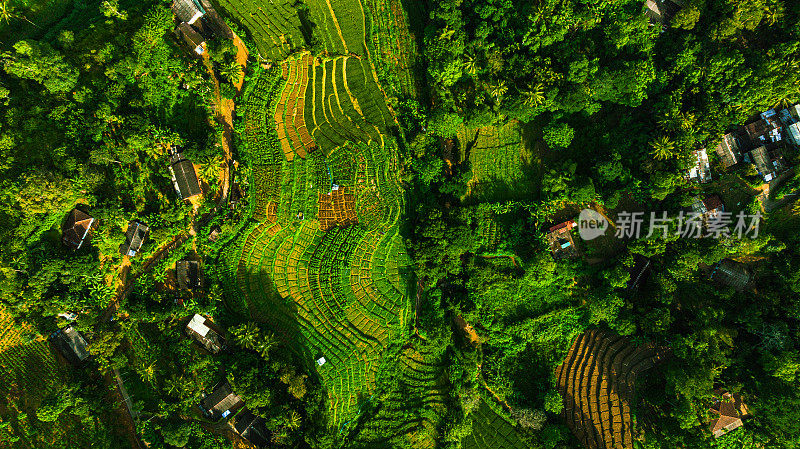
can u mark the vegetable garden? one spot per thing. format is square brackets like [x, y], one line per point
[325, 265]
[501, 164]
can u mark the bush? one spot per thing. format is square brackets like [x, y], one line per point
[558, 135]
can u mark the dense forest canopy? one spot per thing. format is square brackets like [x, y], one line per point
[384, 233]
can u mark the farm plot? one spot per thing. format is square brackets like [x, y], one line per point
[411, 412]
[274, 25]
[345, 104]
[328, 286]
[597, 381]
[491, 431]
[394, 48]
[502, 166]
[341, 24]
[289, 114]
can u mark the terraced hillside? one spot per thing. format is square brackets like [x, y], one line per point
[491, 431]
[324, 265]
[598, 383]
[411, 412]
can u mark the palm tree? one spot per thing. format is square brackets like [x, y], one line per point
[7, 13]
[247, 335]
[534, 95]
[469, 64]
[773, 12]
[663, 148]
[498, 89]
[267, 343]
[687, 120]
[231, 71]
[294, 420]
[446, 34]
[209, 169]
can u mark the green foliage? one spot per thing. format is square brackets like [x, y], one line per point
[558, 135]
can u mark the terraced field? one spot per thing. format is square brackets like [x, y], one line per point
[411, 413]
[341, 24]
[394, 44]
[325, 264]
[491, 431]
[274, 25]
[598, 382]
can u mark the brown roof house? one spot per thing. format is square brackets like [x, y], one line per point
[184, 176]
[727, 411]
[77, 229]
[768, 160]
[709, 208]
[732, 274]
[189, 274]
[730, 150]
[135, 237]
[70, 342]
[205, 333]
[221, 403]
[559, 239]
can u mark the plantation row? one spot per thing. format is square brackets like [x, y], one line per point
[11, 332]
[491, 431]
[597, 381]
[340, 24]
[274, 25]
[289, 113]
[337, 208]
[31, 368]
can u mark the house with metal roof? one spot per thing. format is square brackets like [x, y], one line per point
[252, 428]
[184, 176]
[731, 274]
[221, 403]
[188, 11]
[729, 150]
[559, 239]
[701, 170]
[71, 344]
[76, 229]
[661, 11]
[189, 274]
[768, 160]
[135, 237]
[206, 333]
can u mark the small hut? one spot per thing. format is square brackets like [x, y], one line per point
[252, 428]
[205, 333]
[184, 176]
[71, 344]
[728, 411]
[732, 274]
[135, 237]
[189, 274]
[76, 229]
[221, 403]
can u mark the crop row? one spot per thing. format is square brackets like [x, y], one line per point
[597, 381]
[393, 43]
[289, 114]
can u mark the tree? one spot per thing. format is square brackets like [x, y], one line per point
[41, 63]
[231, 71]
[533, 96]
[558, 135]
[663, 148]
